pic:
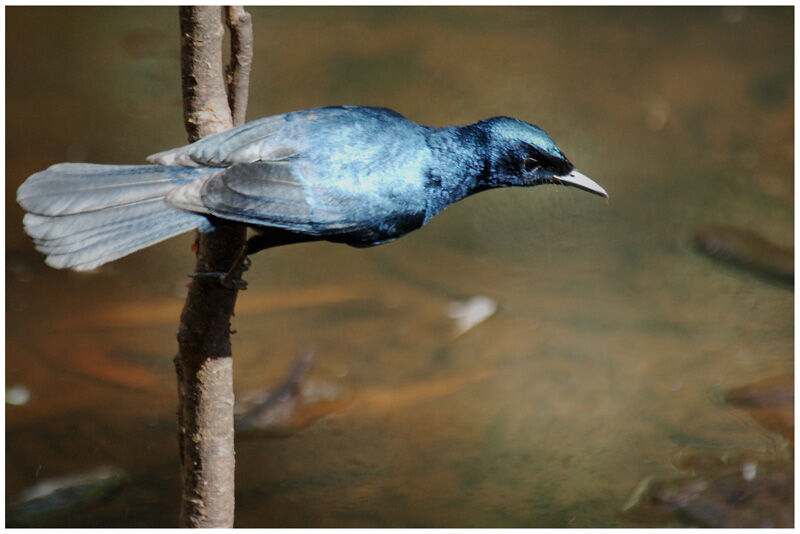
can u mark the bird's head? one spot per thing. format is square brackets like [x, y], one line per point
[521, 154]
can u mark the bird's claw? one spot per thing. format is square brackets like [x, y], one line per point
[235, 283]
[223, 279]
[230, 280]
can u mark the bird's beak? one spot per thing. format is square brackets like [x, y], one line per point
[576, 179]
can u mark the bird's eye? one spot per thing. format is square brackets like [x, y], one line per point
[530, 164]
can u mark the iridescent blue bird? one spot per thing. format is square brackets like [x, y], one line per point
[356, 175]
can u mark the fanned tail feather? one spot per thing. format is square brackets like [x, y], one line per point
[83, 215]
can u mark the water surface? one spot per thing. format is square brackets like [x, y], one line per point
[613, 338]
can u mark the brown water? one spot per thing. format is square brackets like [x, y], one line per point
[613, 337]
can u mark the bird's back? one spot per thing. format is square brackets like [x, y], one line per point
[354, 174]
[333, 133]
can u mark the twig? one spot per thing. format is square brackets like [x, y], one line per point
[204, 361]
[288, 391]
[237, 73]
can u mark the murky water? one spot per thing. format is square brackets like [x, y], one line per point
[613, 337]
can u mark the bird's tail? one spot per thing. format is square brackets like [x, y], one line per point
[83, 215]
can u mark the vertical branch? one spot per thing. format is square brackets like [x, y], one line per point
[204, 361]
[205, 106]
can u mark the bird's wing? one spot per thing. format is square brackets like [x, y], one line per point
[271, 194]
[274, 138]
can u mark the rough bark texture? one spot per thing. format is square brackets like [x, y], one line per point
[205, 104]
[237, 74]
[204, 362]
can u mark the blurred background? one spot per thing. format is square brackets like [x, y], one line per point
[535, 357]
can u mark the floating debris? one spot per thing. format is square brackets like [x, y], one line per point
[746, 494]
[299, 401]
[57, 496]
[17, 395]
[291, 407]
[749, 470]
[770, 402]
[470, 313]
[638, 494]
[726, 489]
[747, 249]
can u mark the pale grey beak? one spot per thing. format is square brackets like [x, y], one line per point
[576, 179]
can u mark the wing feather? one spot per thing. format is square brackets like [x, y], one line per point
[270, 194]
[272, 138]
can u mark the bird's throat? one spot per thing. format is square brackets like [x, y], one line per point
[459, 163]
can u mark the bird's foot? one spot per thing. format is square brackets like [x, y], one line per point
[229, 280]
[222, 278]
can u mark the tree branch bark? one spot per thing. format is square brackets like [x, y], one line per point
[204, 361]
[237, 73]
[205, 109]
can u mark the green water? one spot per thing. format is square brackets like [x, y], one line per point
[612, 339]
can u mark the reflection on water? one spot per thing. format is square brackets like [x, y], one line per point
[612, 340]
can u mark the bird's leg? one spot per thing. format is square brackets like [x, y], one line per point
[261, 241]
[233, 278]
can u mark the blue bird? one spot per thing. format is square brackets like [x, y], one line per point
[356, 175]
